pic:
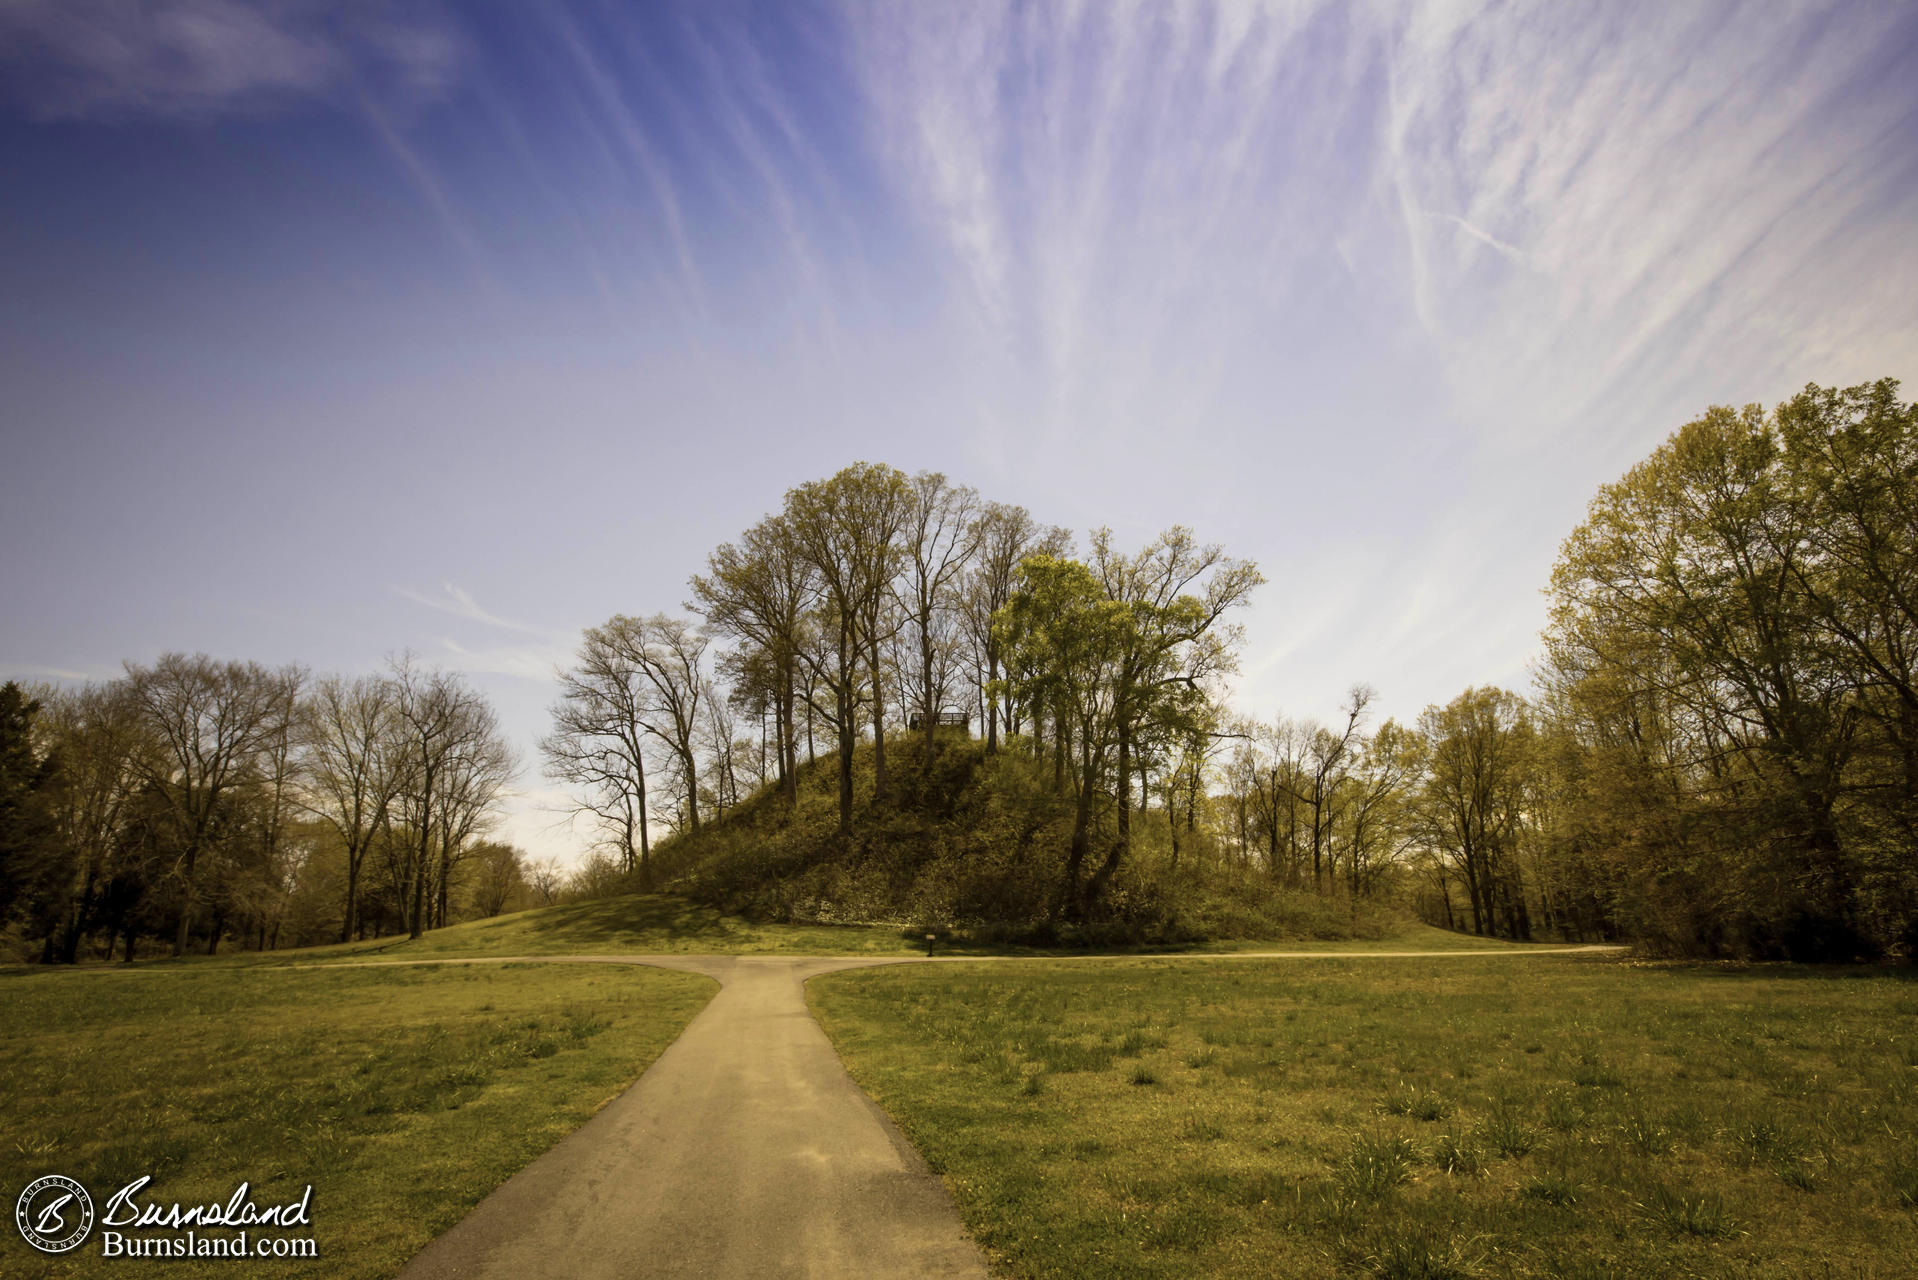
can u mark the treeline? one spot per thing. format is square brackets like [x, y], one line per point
[874, 604]
[194, 801]
[1720, 755]
[1452, 814]
[1729, 693]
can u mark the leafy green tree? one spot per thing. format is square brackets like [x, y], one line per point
[1730, 659]
[1114, 654]
[1472, 804]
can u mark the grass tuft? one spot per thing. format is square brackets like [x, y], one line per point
[1373, 1164]
[1553, 1188]
[1505, 1133]
[1458, 1155]
[1688, 1213]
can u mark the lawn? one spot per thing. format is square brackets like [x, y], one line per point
[1465, 1117]
[661, 924]
[402, 1095]
[634, 924]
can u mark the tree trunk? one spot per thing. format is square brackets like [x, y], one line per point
[186, 902]
[416, 927]
[1069, 898]
[991, 704]
[878, 728]
[351, 917]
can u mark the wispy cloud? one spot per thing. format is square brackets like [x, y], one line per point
[1274, 248]
[1668, 174]
[1567, 198]
[460, 603]
[535, 658]
[104, 58]
[522, 661]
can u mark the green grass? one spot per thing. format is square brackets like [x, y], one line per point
[1474, 1118]
[662, 924]
[403, 1095]
[632, 924]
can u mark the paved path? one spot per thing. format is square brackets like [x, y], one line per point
[745, 1151]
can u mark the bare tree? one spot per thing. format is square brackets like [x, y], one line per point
[546, 879]
[723, 749]
[351, 729]
[846, 528]
[212, 721]
[938, 540]
[441, 718]
[759, 591]
[668, 654]
[1329, 754]
[478, 768]
[599, 741]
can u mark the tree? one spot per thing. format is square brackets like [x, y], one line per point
[29, 851]
[599, 740]
[1328, 755]
[1380, 823]
[1175, 594]
[758, 591]
[353, 767]
[94, 737]
[938, 540]
[667, 653]
[846, 528]
[212, 721]
[546, 879]
[1691, 571]
[1472, 804]
[1002, 536]
[502, 881]
[1850, 470]
[446, 730]
[478, 768]
[1065, 642]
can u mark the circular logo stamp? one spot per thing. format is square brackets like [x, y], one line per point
[54, 1214]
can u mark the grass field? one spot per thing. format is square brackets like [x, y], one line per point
[634, 924]
[1561, 1117]
[659, 924]
[403, 1095]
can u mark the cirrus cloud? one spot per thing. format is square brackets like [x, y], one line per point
[116, 59]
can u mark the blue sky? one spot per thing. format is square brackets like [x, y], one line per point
[332, 329]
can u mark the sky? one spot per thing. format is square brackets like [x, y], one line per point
[332, 330]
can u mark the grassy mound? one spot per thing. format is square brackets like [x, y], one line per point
[975, 844]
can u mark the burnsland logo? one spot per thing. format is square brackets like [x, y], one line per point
[54, 1214]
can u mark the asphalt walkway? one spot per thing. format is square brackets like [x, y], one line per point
[745, 1151]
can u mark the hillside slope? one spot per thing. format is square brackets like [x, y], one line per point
[975, 844]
